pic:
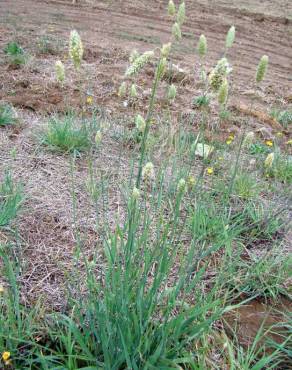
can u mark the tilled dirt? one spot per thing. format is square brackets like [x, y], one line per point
[111, 29]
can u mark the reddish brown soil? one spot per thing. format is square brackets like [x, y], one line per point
[247, 320]
[111, 29]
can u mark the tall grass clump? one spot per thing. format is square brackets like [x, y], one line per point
[10, 199]
[66, 134]
[7, 115]
[15, 54]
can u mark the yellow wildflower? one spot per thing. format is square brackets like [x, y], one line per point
[220, 158]
[269, 142]
[228, 142]
[210, 170]
[1, 289]
[289, 142]
[5, 356]
[279, 134]
[89, 100]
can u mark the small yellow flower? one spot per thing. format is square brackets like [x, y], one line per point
[289, 142]
[269, 142]
[89, 100]
[228, 142]
[5, 356]
[231, 137]
[279, 134]
[220, 158]
[210, 170]
[1, 289]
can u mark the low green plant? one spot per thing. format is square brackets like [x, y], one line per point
[258, 148]
[65, 134]
[280, 169]
[284, 117]
[10, 200]
[15, 53]
[201, 101]
[7, 115]
[49, 44]
[246, 186]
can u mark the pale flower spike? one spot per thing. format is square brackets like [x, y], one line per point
[176, 32]
[171, 93]
[60, 71]
[140, 123]
[269, 160]
[133, 91]
[182, 186]
[171, 8]
[139, 63]
[230, 37]
[262, 68]
[219, 73]
[165, 50]
[148, 171]
[134, 55]
[136, 193]
[181, 14]
[202, 46]
[249, 139]
[122, 90]
[98, 137]
[223, 92]
[75, 49]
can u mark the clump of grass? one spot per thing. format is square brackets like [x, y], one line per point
[246, 186]
[15, 53]
[10, 200]
[7, 115]
[201, 101]
[284, 117]
[280, 169]
[49, 44]
[65, 134]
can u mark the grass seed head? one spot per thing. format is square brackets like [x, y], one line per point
[133, 56]
[75, 49]
[219, 73]
[171, 93]
[148, 171]
[171, 8]
[136, 193]
[269, 160]
[181, 14]
[60, 71]
[249, 139]
[140, 123]
[182, 186]
[202, 46]
[262, 68]
[165, 50]
[133, 91]
[122, 90]
[98, 137]
[223, 92]
[176, 31]
[230, 37]
[139, 63]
